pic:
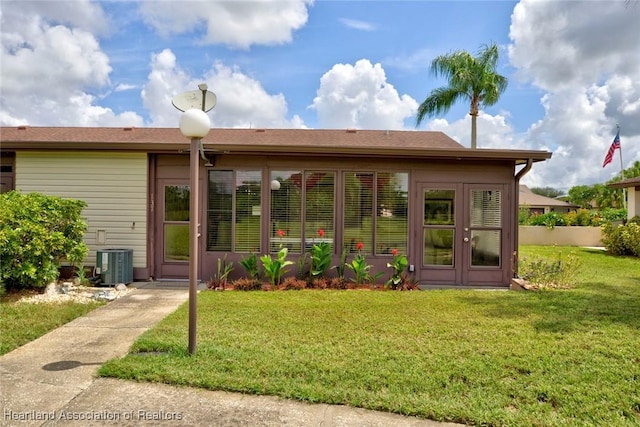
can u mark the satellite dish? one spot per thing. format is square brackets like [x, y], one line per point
[200, 99]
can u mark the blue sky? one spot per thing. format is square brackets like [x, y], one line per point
[573, 68]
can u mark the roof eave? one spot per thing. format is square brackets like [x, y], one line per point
[518, 156]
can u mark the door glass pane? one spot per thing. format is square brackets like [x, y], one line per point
[319, 207]
[176, 203]
[286, 211]
[486, 208]
[391, 212]
[176, 222]
[176, 242]
[439, 207]
[219, 210]
[485, 248]
[247, 220]
[358, 210]
[438, 246]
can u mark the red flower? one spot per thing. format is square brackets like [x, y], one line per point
[320, 232]
[394, 252]
[280, 233]
[359, 246]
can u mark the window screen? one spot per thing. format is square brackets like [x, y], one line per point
[319, 224]
[391, 212]
[233, 211]
[358, 210]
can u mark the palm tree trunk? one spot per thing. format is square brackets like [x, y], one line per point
[474, 134]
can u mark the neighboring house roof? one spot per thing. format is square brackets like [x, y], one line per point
[626, 183]
[325, 142]
[529, 198]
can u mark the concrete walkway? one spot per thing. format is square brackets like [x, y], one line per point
[52, 381]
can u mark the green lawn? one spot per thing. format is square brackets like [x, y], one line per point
[562, 357]
[21, 322]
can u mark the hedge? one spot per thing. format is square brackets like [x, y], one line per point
[38, 232]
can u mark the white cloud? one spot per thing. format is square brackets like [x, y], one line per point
[417, 61]
[48, 68]
[358, 25]
[493, 131]
[584, 54]
[124, 87]
[358, 96]
[562, 43]
[237, 24]
[241, 100]
[85, 15]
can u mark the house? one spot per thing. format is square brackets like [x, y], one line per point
[451, 210]
[632, 185]
[537, 204]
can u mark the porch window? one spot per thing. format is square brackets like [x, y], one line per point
[302, 202]
[358, 210]
[385, 228]
[233, 211]
[391, 212]
[176, 222]
[486, 227]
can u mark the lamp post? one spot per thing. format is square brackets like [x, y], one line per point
[194, 124]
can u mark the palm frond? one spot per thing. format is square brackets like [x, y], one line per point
[438, 102]
[473, 78]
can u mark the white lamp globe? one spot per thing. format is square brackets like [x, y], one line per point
[275, 184]
[195, 123]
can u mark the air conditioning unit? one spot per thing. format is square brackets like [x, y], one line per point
[115, 266]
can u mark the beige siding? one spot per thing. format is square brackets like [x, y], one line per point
[633, 208]
[114, 186]
[564, 236]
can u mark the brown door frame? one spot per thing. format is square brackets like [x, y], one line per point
[438, 275]
[164, 269]
[486, 275]
[462, 273]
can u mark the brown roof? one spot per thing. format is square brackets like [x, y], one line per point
[626, 183]
[326, 142]
[529, 198]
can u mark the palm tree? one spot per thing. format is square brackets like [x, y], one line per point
[473, 78]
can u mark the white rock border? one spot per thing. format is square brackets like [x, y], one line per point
[68, 291]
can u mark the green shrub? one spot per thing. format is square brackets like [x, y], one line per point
[37, 232]
[611, 214]
[523, 216]
[622, 239]
[250, 264]
[580, 217]
[549, 220]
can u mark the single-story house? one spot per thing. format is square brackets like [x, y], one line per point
[452, 210]
[538, 204]
[633, 195]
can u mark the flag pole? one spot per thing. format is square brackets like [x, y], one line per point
[624, 190]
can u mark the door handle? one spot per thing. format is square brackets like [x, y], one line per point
[466, 239]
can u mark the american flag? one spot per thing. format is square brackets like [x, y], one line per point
[614, 146]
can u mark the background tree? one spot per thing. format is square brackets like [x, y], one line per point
[582, 195]
[471, 78]
[607, 197]
[632, 172]
[601, 195]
